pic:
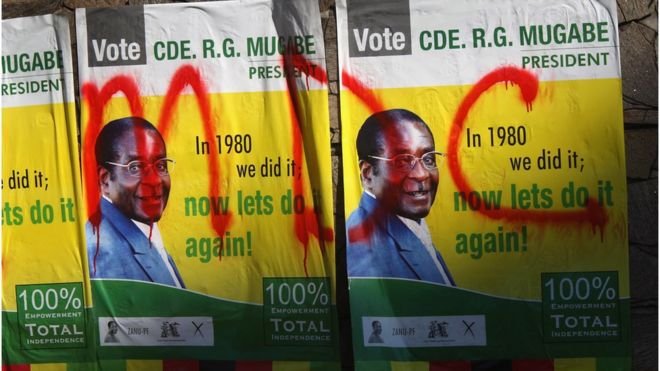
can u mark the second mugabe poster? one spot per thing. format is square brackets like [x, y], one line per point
[485, 182]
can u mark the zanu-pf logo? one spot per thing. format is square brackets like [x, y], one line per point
[169, 329]
[115, 37]
[438, 329]
[377, 28]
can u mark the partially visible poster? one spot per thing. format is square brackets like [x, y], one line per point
[205, 144]
[44, 274]
[485, 189]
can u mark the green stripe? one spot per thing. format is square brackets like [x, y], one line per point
[109, 365]
[613, 364]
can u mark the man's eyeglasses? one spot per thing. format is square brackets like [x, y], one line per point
[162, 167]
[406, 162]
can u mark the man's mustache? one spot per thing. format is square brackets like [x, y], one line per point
[417, 187]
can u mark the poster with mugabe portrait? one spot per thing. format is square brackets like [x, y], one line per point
[45, 289]
[485, 190]
[209, 231]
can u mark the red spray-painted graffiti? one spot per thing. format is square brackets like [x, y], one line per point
[307, 222]
[363, 92]
[97, 100]
[593, 213]
[187, 76]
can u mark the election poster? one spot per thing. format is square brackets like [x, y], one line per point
[44, 274]
[207, 198]
[485, 189]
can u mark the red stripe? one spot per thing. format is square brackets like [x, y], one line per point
[450, 366]
[254, 366]
[15, 367]
[180, 365]
[532, 364]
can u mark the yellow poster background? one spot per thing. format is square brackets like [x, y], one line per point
[41, 139]
[275, 249]
[582, 116]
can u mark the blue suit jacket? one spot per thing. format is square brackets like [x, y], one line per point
[124, 251]
[388, 248]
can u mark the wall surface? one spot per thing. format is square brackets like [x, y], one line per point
[638, 30]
